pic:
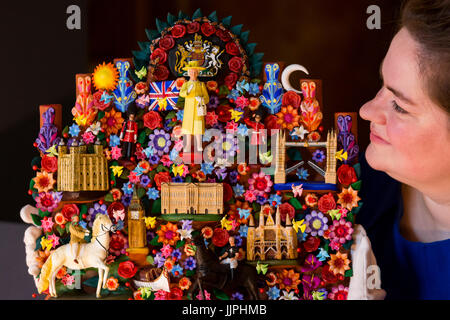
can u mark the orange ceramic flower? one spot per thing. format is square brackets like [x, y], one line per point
[42, 257]
[112, 284]
[168, 234]
[207, 232]
[44, 181]
[311, 200]
[184, 283]
[168, 264]
[272, 279]
[243, 169]
[288, 280]
[61, 273]
[288, 118]
[145, 165]
[112, 122]
[339, 263]
[348, 198]
[60, 219]
[116, 193]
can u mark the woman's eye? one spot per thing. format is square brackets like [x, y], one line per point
[397, 108]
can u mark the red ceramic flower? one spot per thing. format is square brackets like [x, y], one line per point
[161, 73]
[49, 164]
[346, 174]
[291, 98]
[118, 244]
[232, 48]
[162, 177]
[166, 43]
[311, 244]
[175, 294]
[178, 30]
[220, 237]
[127, 269]
[193, 27]
[224, 113]
[287, 210]
[328, 275]
[141, 87]
[230, 79]
[271, 122]
[326, 203]
[100, 105]
[70, 210]
[223, 35]
[115, 206]
[159, 54]
[235, 64]
[208, 29]
[152, 120]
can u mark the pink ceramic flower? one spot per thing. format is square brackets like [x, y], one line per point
[88, 137]
[260, 183]
[341, 231]
[116, 153]
[48, 201]
[47, 224]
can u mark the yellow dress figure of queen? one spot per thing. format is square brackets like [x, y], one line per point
[196, 96]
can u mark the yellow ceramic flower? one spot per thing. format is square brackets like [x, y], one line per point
[348, 198]
[339, 263]
[44, 181]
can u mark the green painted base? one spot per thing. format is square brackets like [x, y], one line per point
[286, 262]
[195, 217]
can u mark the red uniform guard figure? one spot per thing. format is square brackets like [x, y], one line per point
[128, 134]
[258, 133]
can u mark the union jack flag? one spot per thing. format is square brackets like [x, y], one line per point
[163, 95]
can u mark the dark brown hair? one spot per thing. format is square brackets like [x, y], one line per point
[428, 22]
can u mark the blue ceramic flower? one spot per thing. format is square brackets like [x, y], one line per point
[153, 193]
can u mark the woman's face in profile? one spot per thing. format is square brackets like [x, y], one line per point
[409, 133]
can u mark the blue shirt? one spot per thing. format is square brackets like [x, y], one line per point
[409, 270]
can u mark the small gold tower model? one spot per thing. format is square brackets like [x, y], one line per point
[82, 171]
[137, 235]
[270, 240]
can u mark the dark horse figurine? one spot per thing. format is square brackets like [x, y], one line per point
[213, 274]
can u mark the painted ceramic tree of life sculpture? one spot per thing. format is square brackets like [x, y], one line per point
[273, 91]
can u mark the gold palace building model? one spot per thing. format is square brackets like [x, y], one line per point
[270, 240]
[191, 198]
[79, 170]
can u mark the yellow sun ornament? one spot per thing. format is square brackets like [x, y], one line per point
[105, 77]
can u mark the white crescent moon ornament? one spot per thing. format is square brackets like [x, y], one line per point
[287, 72]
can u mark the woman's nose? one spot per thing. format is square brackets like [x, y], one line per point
[374, 110]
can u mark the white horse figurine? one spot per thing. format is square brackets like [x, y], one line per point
[92, 255]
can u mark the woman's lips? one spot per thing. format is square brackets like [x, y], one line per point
[377, 139]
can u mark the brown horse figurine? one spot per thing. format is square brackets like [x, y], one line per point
[212, 274]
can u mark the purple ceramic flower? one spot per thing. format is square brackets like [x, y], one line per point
[316, 223]
[213, 101]
[176, 254]
[145, 180]
[154, 159]
[160, 141]
[318, 156]
[237, 296]
[159, 260]
[311, 263]
[310, 282]
[190, 263]
[97, 209]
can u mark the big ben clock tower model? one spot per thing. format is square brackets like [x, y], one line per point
[137, 238]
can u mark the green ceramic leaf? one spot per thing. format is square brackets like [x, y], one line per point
[91, 282]
[349, 273]
[109, 198]
[357, 168]
[161, 25]
[250, 48]
[141, 55]
[236, 29]
[171, 19]
[220, 295]
[83, 209]
[244, 36]
[197, 14]
[213, 17]
[155, 242]
[144, 45]
[156, 207]
[180, 243]
[38, 243]
[356, 185]
[150, 259]
[226, 21]
[140, 192]
[182, 15]
[151, 34]
[295, 203]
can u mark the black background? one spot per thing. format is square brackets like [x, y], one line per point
[40, 57]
